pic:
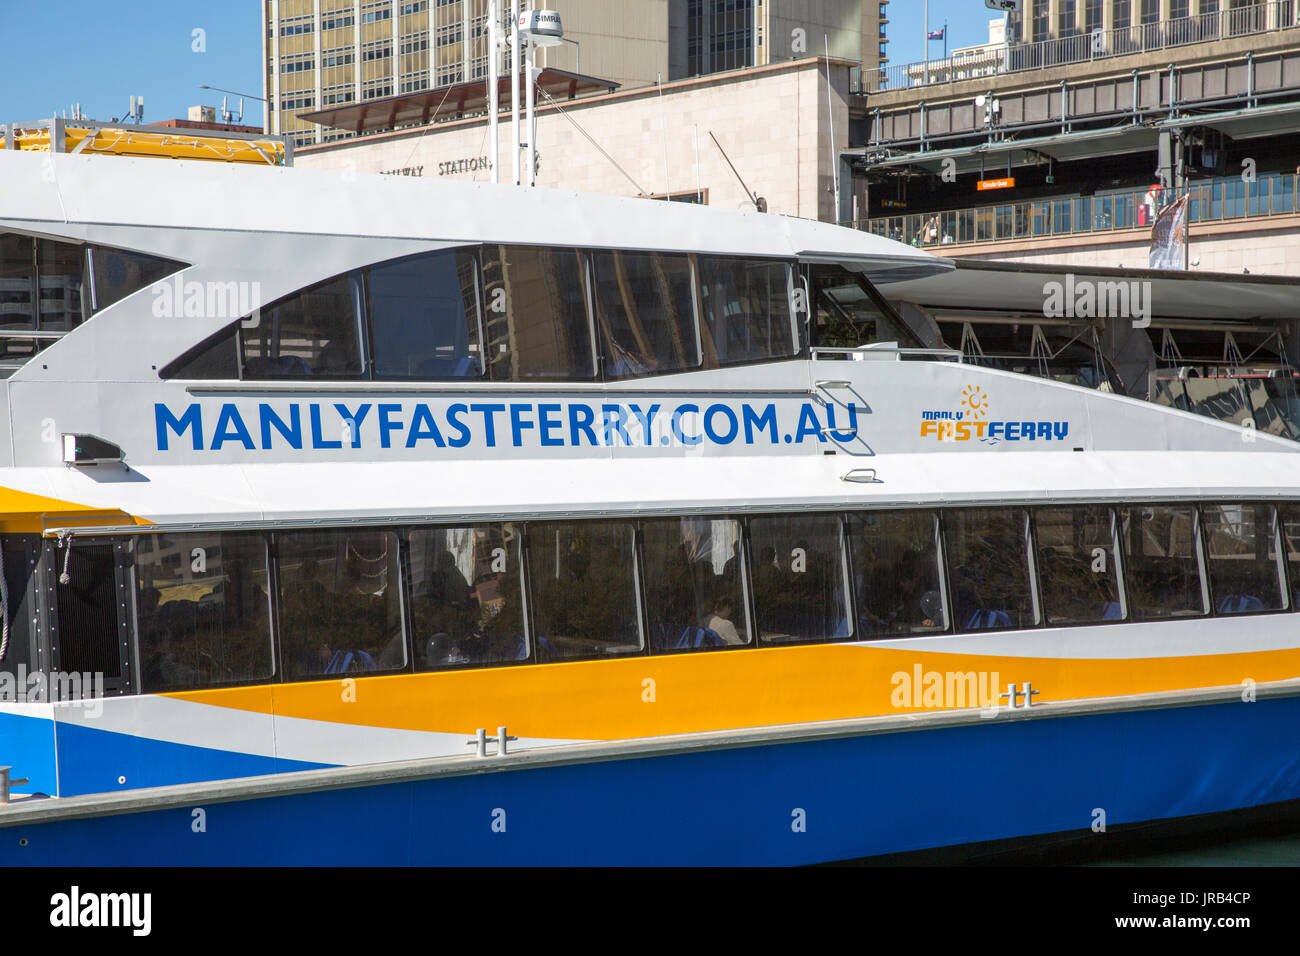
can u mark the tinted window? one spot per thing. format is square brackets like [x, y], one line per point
[1078, 569]
[340, 607]
[202, 610]
[535, 312]
[847, 315]
[581, 589]
[119, 273]
[645, 313]
[215, 358]
[988, 567]
[798, 579]
[746, 310]
[60, 266]
[693, 592]
[466, 600]
[895, 557]
[17, 282]
[87, 628]
[1162, 568]
[1241, 552]
[313, 333]
[1288, 519]
[424, 317]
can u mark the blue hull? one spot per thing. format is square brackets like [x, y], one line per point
[859, 796]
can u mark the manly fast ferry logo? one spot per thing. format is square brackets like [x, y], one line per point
[971, 420]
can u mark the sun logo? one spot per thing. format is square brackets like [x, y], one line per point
[975, 401]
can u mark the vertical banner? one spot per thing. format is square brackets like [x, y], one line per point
[1169, 237]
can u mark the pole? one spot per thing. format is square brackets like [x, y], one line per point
[699, 191]
[663, 118]
[494, 83]
[514, 89]
[926, 30]
[830, 115]
[531, 100]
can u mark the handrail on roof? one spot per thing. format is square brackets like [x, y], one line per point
[898, 351]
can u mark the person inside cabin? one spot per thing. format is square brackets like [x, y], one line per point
[719, 622]
[931, 609]
[175, 672]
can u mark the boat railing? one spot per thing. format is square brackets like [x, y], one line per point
[883, 352]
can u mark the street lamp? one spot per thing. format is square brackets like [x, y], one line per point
[225, 113]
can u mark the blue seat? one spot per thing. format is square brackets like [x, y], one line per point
[1111, 611]
[1240, 604]
[984, 618]
[342, 662]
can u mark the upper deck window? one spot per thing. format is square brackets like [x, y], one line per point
[645, 312]
[536, 314]
[424, 317]
[848, 312]
[49, 287]
[746, 313]
[314, 333]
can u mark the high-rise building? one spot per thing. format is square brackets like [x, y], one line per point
[322, 53]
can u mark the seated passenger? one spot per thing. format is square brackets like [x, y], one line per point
[720, 621]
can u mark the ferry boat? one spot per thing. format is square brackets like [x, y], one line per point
[355, 519]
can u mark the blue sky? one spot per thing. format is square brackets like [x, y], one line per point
[61, 52]
[100, 52]
[967, 25]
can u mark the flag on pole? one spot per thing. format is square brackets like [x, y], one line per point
[935, 34]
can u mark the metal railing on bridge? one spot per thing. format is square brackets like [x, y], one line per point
[1227, 198]
[1265, 17]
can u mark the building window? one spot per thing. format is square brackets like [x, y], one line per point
[337, 21]
[1122, 13]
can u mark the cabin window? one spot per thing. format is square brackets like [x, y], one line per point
[202, 610]
[799, 582]
[895, 560]
[535, 314]
[60, 268]
[424, 317]
[467, 595]
[1242, 554]
[340, 606]
[215, 358]
[645, 312]
[121, 272]
[1162, 562]
[1078, 565]
[582, 588]
[693, 594]
[1288, 522]
[20, 554]
[746, 311]
[311, 334]
[989, 568]
[848, 312]
[88, 639]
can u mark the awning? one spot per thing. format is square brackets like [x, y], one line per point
[996, 287]
[445, 102]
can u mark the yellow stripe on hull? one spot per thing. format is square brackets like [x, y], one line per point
[685, 693]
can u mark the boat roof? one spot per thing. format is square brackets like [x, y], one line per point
[74, 189]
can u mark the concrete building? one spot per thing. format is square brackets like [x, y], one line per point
[1045, 148]
[780, 125]
[320, 54]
